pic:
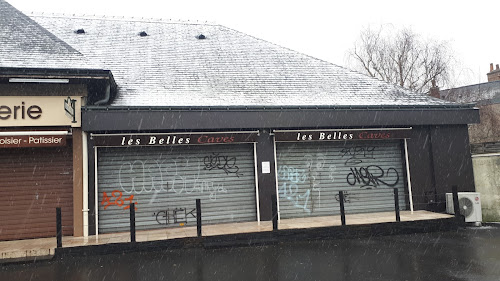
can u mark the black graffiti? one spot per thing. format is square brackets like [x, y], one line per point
[356, 154]
[225, 163]
[174, 216]
[372, 176]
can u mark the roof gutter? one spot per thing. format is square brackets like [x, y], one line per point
[277, 108]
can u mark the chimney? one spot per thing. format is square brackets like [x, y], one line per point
[494, 74]
[434, 90]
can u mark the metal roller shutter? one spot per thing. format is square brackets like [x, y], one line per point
[33, 182]
[310, 175]
[164, 182]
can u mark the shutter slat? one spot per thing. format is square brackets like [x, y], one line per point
[310, 175]
[33, 182]
[162, 179]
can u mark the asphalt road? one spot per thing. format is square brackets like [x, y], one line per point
[467, 254]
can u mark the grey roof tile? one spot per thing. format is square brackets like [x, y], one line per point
[483, 92]
[171, 67]
[25, 44]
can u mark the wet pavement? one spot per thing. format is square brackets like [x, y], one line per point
[45, 247]
[466, 254]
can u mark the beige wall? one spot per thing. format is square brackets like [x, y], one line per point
[487, 181]
[35, 111]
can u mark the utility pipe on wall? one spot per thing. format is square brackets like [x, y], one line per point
[408, 177]
[85, 172]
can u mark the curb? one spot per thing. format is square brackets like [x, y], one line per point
[267, 238]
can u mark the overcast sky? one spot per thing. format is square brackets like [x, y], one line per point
[322, 29]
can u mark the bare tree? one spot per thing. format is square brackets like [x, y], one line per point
[402, 57]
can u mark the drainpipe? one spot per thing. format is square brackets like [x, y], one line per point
[105, 100]
[85, 186]
[106, 96]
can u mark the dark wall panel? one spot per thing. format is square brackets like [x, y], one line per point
[267, 182]
[439, 158]
[421, 168]
[452, 159]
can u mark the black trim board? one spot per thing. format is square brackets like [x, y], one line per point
[19, 72]
[142, 120]
[267, 182]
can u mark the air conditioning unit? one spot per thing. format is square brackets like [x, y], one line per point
[469, 203]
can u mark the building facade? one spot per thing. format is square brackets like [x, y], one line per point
[303, 156]
[41, 151]
[201, 111]
[44, 82]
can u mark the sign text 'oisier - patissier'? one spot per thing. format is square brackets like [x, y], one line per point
[32, 141]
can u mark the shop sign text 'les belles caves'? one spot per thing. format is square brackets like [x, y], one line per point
[341, 135]
[174, 139]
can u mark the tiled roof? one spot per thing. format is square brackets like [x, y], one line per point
[172, 67]
[25, 44]
[482, 93]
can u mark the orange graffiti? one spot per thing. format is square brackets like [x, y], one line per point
[118, 201]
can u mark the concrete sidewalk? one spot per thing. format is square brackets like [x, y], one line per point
[44, 248]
